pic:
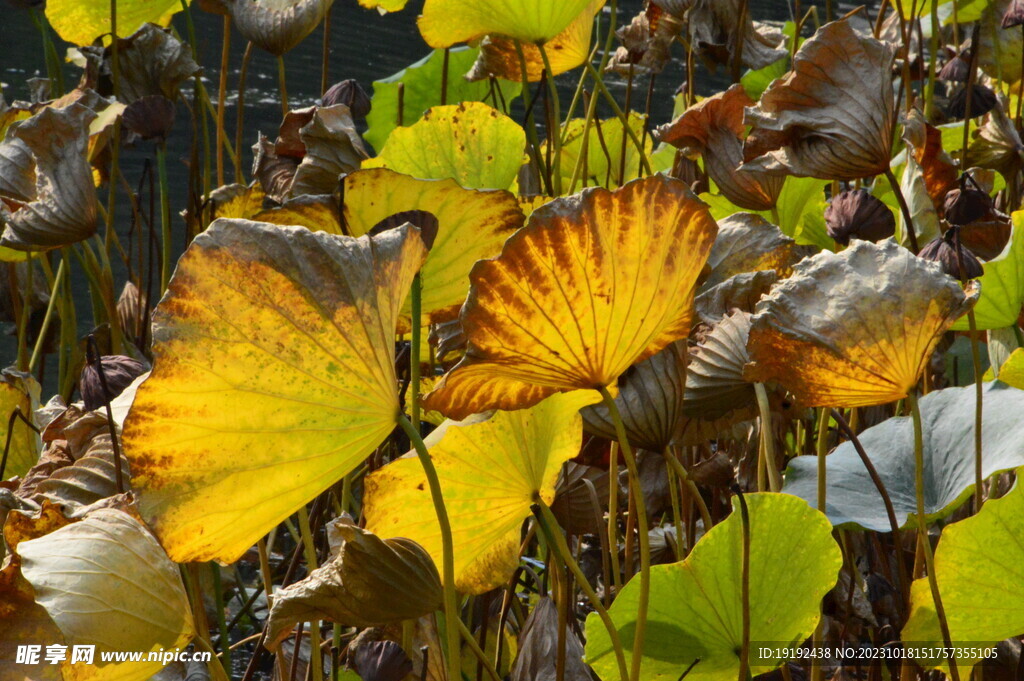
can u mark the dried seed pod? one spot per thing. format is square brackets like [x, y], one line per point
[857, 214]
[965, 205]
[983, 100]
[956, 69]
[943, 251]
[118, 370]
[350, 93]
[150, 117]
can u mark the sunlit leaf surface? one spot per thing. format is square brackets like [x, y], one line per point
[274, 376]
[1002, 284]
[18, 390]
[446, 22]
[82, 21]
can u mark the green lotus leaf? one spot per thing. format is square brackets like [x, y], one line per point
[979, 565]
[1002, 284]
[696, 605]
[421, 84]
[948, 458]
[477, 146]
[82, 21]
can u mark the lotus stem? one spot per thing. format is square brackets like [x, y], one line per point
[115, 75]
[933, 48]
[908, 220]
[222, 625]
[744, 671]
[642, 530]
[336, 650]
[282, 82]
[613, 516]
[24, 311]
[972, 70]
[451, 605]
[644, 162]
[97, 360]
[553, 534]
[972, 325]
[554, 126]
[165, 217]
[698, 500]
[444, 75]
[531, 125]
[15, 416]
[240, 114]
[222, 95]
[821, 447]
[414, 355]
[478, 653]
[580, 169]
[922, 530]
[53, 69]
[325, 56]
[677, 509]
[767, 441]
[37, 350]
[306, 532]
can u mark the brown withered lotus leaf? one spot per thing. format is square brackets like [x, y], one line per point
[278, 25]
[646, 42]
[592, 284]
[151, 61]
[131, 314]
[833, 115]
[570, 48]
[150, 117]
[677, 8]
[742, 291]
[381, 661]
[650, 401]
[714, 24]
[579, 487]
[371, 582]
[449, 339]
[54, 195]
[118, 372]
[715, 387]
[90, 478]
[274, 173]
[350, 93]
[855, 328]
[714, 129]
[749, 243]
[996, 144]
[855, 213]
[538, 647]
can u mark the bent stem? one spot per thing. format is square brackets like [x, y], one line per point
[904, 208]
[680, 471]
[744, 671]
[553, 534]
[642, 530]
[767, 442]
[922, 531]
[165, 217]
[451, 604]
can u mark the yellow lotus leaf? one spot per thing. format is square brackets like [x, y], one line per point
[446, 22]
[594, 283]
[236, 201]
[273, 377]
[106, 582]
[384, 5]
[854, 328]
[492, 469]
[82, 21]
[570, 48]
[472, 143]
[18, 390]
[315, 212]
[472, 225]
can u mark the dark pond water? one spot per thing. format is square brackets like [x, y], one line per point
[363, 45]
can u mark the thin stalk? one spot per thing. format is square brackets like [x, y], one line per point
[821, 447]
[767, 441]
[268, 581]
[24, 311]
[240, 113]
[971, 74]
[645, 163]
[222, 95]
[972, 325]
[282, 82]
[531, 125]
[554, 127]
[165, 217]
[451, 604]
[53, 63]
[680, 471]
[581, 160]
[677, 510]
[414, 359]
[115, 71]
[222, 624]
[480, 655]
[642, 531]
[16, 415]
[904, 208]
[933, 48]
[325, 56]
[613, 516]
[744, 671]
[306, 532]
[922, 531]
[552, 533]
[115, 445]
[444, 75]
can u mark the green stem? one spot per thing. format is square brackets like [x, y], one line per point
[165, 217]
[680, 471]
[284, 85]
[767, 441]
[25, 312]
[479, 654]
[531, 125]
[922, 531]
[222, 624]
[555, 126]
[451, 603]
[309, 549]
[552, 533]
[933, 48]
[53, 67]
[744, 671]
[642, 531]
[821, 447]
[416, 297]
[908, 220]
[623, 118]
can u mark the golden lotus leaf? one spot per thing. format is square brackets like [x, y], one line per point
[18, 390]
[570, 48]
[594, 283]
[472, 225]
[854, 328]
[273, 377]
[491, 469]
[713, 129]
[447, 22]
[833, 115]
[472, 143]
[82, 21]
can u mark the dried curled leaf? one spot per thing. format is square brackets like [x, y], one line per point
[370, 582]
[53, 196]
[938, 171]
[996, 144]
[278, 25]
[715, 387]
[106, 582]
[570, 48]
[833, 115]
[714, 25]
[491, 470]
[593, 284]
[539, 647]
[714, 129]
[646, 42]
[446, 22]
[741, 291]
[854, 328]
[749, 243]
[274, 376]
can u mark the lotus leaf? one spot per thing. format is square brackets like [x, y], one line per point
[82, 21]
[1002, 284]
[446, 22]
[277, 26]
[18, 390]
